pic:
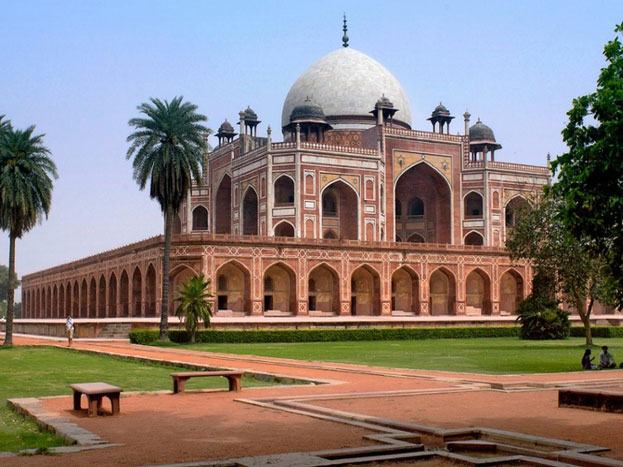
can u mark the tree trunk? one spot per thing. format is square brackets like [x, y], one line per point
[164, 312]
[585, 317]
[8, 336]
[192, 336]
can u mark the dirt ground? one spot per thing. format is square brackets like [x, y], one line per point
[167, 428]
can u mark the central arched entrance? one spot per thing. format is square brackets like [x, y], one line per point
[279, 289]
[365, 292]
[426, 195]
[323, 290]
[340, 212]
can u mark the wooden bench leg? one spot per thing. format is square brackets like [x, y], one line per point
[235, 383]
[179, 385]
[77, 396]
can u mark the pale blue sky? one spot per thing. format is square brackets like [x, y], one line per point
[79, 69]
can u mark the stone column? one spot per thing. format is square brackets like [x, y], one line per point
[466, 116]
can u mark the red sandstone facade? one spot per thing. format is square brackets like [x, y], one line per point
[352, 214]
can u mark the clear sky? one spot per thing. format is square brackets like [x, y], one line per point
[78, 69]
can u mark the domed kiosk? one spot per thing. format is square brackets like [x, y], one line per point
[346, 84]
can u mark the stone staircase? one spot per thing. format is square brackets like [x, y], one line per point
[115, 331]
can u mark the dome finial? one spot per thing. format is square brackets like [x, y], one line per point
[345, 36]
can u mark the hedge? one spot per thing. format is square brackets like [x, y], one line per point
[148, 336]
[598, 331]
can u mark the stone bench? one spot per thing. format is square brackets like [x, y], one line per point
[233, 377]
[95, 392]
[595, 399]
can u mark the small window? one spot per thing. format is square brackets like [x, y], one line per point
[416, 207]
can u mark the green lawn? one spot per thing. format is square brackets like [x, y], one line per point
[47, 371]
[500, 355]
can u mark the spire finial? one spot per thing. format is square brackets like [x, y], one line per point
[345, 36]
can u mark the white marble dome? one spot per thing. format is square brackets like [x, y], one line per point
[347, 83]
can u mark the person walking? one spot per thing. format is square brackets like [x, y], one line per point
[69, 328]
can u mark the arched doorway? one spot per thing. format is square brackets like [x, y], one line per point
[442, 293]
[83, 299]
[427, 195]
[477, 293]
[75, 300]
[200, 219]
[137, 293]
[222, 207]
[284, 191]
[323, 290]
[513, 209]
[284, 229]
[112, 296]
[511, 292]
[250, 212]
[279, 289]
[365, 292]
[405, 291]
[233, 284]
[124, 294]
[340, 211]
[150, 291]
[101, 298]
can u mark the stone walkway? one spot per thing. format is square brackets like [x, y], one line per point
[348, 406]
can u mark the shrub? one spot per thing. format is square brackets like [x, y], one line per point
[542, 319]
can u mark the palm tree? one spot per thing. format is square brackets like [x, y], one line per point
[168, 148]
[4, 124]
[26, 174]
[193, 306]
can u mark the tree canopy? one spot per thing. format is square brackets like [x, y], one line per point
[590, 174]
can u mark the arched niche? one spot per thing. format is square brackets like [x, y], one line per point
[279, 289]
[427, 195]
[150, 291]
[137, 292]
[513, 210]
[416, 238]
[284, 191]
[477, 293]
[442, 292]
[200, 219]
[112, 295]
[473, 206]
[178, 276]
[474, 238]
[124, 295]
[365, 292]
[405, 291]
[340, 211]
[233, 285]
[323, 290]
[250, 211]
[101, 298]
[83, 299]
[284, 229]
[222, 207]
[511, 292]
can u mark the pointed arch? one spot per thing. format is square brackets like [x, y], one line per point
[474, 238]
[282, 295]
[101, 297]
[442, 285]
[84, 299]
[365, 292]
[124, 294]
[150, 291]
[431, 216]
[200, 219]
[323, 290]
[233, 287]
[477, 293]
[250, 212]
[416, 238]
[512, 210]
[112, 296]
[222, 206]
[92, 298]
[178, 275]
[340, 210]
[405, 291]
[284, 190]
[511, 291]
[284, 229]
[137, 292]
[473, 205]
[55, 302]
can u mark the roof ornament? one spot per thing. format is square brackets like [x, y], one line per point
[345, 36]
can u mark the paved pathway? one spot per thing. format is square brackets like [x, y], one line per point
[166, 428]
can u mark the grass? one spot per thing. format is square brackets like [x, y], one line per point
[499, 355]
[47, 371]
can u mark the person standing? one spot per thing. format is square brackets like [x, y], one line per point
[606, 360]
[69, 328]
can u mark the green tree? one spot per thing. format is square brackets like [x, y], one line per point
[4, 282]
[26, 173]
[193, 305]
[563, 265]
[168, 148]
[5, 124]
[590, 175]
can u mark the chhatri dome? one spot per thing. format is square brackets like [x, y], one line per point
[346, 84]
